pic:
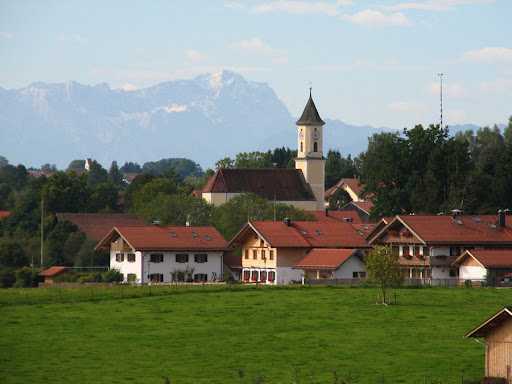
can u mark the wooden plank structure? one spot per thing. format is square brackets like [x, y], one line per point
[497, 332]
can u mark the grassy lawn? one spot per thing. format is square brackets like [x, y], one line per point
[216, 335]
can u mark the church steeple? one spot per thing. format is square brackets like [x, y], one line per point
[310, 115]
[310, 158]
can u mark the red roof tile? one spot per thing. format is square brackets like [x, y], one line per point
[465, 229]
[343, 216]
[352, 183]
[325, 258]
[97, 225]
[4, 214]
[365, 206]
[52, 271]
[155, 238]
[309, 234]
[489, 258]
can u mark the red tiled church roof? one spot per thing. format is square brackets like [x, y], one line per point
[280, 184]
[325, 258]
[156, 238]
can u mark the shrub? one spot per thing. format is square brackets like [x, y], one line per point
[26, 277]
[468, 284]
[7, 278]
[112, 276]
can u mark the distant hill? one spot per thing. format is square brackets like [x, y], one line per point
[204, 119]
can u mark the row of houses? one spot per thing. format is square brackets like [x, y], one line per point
[434, 248]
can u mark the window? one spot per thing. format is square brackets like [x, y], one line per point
[246, 253]
[271, 255]
[130, 257]
[301, 146]
[254, 276]
[358, 275]
[131, 277]
[119, 257]
[182, 257]
[247, 275]
[254, 254]
[263, 276]
[315, 147]
[201, 258]
[156, 258]
[263, 254]
[156, 277]
[454, 272]
[262, 243]
[200, 277]
[271, 276]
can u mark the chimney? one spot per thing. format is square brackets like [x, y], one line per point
[287, 221]
[501, 218]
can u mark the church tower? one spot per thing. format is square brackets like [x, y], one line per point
[310, 156]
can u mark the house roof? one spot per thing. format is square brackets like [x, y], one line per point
[155, 238]
[491, 323]
[276, 183]
[325, 258]
[488, 258]
[365, 206]
[4, 214]
[344, 216]
[97, 225]
[310, 115]
[52, 271]
[304, 234]
[351, 183]
[441, 229]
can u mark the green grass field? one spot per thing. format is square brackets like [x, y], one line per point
[242, 335]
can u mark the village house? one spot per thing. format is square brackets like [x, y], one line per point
[497, 332]
[427, 245]
[333, 263]
[493, 266]
[166, 254]
[274, 252]
[302, 187]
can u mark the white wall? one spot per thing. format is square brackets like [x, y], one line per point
[142, 266]
[472, 273]
[353, 264]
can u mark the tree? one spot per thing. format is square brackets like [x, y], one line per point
[103, 197]
[384, 269]
[96, 175]
[12, 254]
[226, 162]
[77, 166]
[253, 160]
[65, 193]
[150, 191]
[180, 166]
[114, 174]
[3, 162]
[337, 167]
[48, 168]
[130, 167]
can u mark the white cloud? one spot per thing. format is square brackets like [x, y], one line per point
[490, 55]
[454, 90]
[374, 18]
[6, 35]
[407, 106]
[498, 86]
[257, 46]
[195, 56]
[301, 7]
[175, 108]
[74, 38]
[435, 5]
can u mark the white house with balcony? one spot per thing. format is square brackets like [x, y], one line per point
[156, 254]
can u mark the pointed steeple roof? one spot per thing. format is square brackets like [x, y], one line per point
[310, 116]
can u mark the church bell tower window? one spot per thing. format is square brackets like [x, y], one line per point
[301, 146]
[315, 147]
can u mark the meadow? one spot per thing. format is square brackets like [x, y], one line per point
[242, 335]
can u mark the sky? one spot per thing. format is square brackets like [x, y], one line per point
[369, 62]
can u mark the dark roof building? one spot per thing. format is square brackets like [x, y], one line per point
[310, 115]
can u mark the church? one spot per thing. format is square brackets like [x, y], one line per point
[302, 187]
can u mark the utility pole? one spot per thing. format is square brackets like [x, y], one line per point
[441, 95]
[42, 231]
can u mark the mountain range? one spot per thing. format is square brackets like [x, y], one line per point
[205, 119]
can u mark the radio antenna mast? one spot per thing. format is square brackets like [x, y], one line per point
[441, 95]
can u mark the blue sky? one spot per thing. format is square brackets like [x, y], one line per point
[370, 62]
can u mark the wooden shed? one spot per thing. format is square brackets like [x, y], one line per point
[52, 272]
[497, 332]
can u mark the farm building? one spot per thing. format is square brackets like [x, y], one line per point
[51, 273]
[427, 245]
[493, 265]
[271, 251]
[333, 263]
[497, 332]
[166, 254]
